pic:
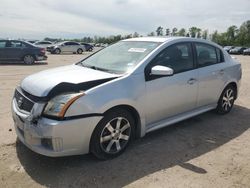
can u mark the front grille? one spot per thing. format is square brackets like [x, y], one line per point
[22, 102]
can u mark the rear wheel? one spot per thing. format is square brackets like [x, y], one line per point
[79, 51]
[57, 51]
[112, 134]
[28, 59]
[226, 101]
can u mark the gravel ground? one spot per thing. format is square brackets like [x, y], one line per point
[205, 151]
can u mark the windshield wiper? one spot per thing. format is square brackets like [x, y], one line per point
[97, 68]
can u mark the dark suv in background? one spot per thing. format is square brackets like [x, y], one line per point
[16, 50]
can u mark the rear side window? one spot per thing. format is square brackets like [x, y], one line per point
[206, 54]
[71, 43]
[2, 44]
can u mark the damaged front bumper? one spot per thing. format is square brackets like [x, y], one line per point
[52, 137]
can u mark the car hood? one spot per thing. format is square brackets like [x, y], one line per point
[41, 83]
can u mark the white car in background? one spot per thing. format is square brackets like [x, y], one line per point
[66, 47]
[43, 44]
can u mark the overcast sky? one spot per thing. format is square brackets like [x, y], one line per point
[36, 19]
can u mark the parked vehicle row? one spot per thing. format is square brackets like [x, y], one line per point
[16, 50]
[237, 50]
[74, 110]
[246, 51]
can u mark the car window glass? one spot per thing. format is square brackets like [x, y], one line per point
[178, 57]
[206, 54]
[74, 43]
[220, 57]
[16, 44]
[2, 44]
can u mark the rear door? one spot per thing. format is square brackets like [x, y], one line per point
[211, 73]
[75, 46]
[66, 47]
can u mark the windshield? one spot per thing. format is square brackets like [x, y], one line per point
[120, 57]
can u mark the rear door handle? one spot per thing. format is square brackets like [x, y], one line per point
[191, 81]
[221, 72]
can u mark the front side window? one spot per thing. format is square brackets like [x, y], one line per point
[120, 57]
[206, 54]
[179, 57]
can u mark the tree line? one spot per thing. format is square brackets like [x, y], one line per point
[235, 36]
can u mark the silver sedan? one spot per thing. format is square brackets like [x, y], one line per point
[66, 47]
[124, 91]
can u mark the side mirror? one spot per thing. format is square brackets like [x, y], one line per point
[161, 71]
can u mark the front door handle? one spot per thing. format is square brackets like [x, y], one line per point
[191, 81]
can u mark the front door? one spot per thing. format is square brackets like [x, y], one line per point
[172, 95]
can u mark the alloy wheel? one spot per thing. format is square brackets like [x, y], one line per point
[228, 99]
[115, 135]
[28, 59]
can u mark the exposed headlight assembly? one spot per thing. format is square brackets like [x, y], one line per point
[58, 105]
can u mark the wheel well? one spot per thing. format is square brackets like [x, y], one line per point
[234, 85]
[30, 55]
[135, 115]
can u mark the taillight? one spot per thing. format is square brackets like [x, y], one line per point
[42, 50]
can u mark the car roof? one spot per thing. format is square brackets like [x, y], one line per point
[152, 39]
[169, 39]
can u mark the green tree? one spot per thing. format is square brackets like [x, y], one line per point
[243, 36]
[204, 34]
[159, 31]
[192, 31]
[174, 31]
[198, 33]
[135, 35]
[231, 34]
[182, 32]
[167, 32]
[151, 34]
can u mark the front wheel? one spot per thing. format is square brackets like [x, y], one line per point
[112, 134]
[226, 101]
[28, 59]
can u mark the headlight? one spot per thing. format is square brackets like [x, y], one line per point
[58, 105]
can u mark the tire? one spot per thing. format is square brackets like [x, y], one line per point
[79, 51]
[57, 51]
[226, 101]
[28, 59]
[112, 135]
